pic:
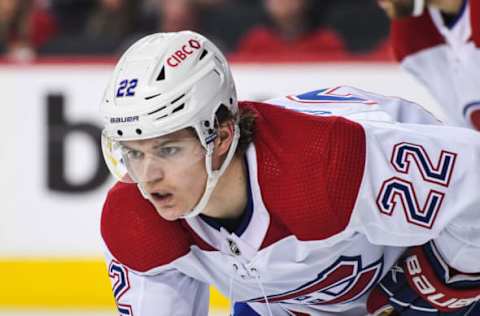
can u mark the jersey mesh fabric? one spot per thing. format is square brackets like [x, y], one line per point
[310, 169]
[136, 235]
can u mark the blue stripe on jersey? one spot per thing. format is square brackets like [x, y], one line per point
[454, 21]
[470, 105]
[243, 309]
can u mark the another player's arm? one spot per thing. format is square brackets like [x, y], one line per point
[167, 293]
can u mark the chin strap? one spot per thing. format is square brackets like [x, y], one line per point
[214, 175]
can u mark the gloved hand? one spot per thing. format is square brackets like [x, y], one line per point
[422, 284]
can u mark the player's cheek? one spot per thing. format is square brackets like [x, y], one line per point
[192, 182]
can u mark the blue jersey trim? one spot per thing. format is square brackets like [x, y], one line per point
[470, 105]
[243, 309]
[458, 16]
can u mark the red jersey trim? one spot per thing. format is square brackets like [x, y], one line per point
[475, 119]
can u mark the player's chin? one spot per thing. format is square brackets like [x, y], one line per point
[170, 213]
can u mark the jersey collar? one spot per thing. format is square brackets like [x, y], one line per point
[254, 223]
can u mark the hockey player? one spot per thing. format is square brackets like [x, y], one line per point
[438, 42]
[297, 206]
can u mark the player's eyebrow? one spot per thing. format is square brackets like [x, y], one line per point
[170, 139]
[159, 142]
[164, 142]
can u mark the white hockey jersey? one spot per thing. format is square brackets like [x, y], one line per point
[338, 190]
[445, 58]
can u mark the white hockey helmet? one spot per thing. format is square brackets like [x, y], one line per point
[163, 83]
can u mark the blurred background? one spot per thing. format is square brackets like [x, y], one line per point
[241, 28]
[55, 59]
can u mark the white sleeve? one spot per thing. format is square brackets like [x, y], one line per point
[398, 109]
[168, 293]
[421, 183]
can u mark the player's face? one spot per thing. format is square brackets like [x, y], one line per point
[170, 169]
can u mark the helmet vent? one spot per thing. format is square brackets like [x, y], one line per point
[177, 99]
[157, 110]
[153, 96]
[178, 108]
[161, 75]
[204, 53]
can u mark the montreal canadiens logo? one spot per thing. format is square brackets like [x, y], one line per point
[344, 281]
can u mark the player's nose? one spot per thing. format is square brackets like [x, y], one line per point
[152, 171]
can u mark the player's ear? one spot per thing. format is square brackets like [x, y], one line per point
[224, 138]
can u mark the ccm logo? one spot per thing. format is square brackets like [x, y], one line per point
[443, 301]
[180, 55]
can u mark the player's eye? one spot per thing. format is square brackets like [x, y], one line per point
[132, 154]
[167, 151]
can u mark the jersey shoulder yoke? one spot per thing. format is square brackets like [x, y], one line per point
[136, 235]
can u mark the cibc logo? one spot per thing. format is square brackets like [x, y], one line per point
[180, 55]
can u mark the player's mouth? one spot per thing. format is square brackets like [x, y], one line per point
[162, 198]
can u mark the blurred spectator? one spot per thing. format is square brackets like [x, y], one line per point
[119, 22]
[72, 15]
[290, 29]
[281, 27]
[177, 15]
[226, 21]
[361, 23]
[106, 27]
[24, 26]
[112, 18]
[221, 20]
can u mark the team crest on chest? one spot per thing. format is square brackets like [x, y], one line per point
[343, 281]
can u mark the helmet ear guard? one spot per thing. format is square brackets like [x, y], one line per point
[163, 83]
